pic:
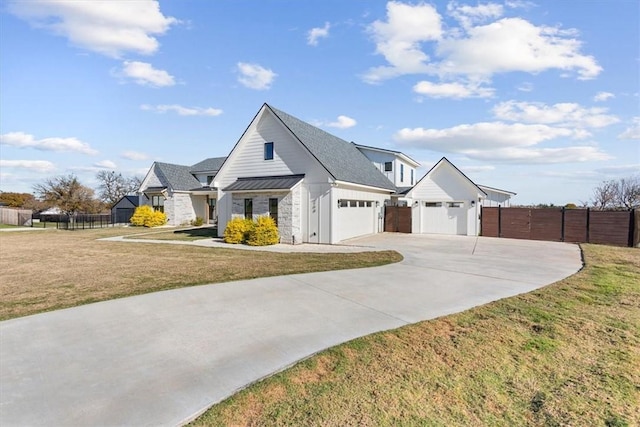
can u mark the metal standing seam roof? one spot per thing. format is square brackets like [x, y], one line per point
[285, 182]
[177, 177]
[341, 158]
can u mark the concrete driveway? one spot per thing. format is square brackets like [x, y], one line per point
[163, 358]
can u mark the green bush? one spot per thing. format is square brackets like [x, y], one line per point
[237, 230]
[197, 222]
[264, 232]
[145, 216]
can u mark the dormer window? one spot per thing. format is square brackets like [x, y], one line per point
[209, 180]
[388, 166]
[268, 150]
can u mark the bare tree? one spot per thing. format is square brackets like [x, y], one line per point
[623, 193]
[113, 186]
[67, 194]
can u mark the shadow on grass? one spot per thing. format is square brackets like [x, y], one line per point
[203, 232]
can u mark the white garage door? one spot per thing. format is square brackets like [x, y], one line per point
[443, 217]
[356, 218]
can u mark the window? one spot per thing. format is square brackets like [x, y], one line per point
[388, 166]
[454, 204]
[268, 150]
[209, 180]
[248, 208]
[401, 172]
[432, 204]
[273, 209]
[411, 176]
[157, 202]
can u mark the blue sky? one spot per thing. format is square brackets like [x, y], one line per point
[540, 98]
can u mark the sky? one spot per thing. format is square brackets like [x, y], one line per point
[540, 98]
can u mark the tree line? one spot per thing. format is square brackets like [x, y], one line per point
[68, 194]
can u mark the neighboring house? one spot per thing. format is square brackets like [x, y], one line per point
[318, 187]
[182, 192]
[397, 166]
[446, 201]
[123, 209]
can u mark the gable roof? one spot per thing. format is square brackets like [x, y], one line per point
[496, 190]
[130, 198]
[177, 177]
[442, 161]
[340, 158]
[210, 164]
[386, 150]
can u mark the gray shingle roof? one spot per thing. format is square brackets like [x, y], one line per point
[177, 177]
[285, 182]
[210, 164]
[341, 158]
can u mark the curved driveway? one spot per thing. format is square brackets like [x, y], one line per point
[163, 358]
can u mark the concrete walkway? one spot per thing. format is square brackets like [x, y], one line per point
[163, 358]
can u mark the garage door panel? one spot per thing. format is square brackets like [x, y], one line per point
[356, 218]
[444, 218]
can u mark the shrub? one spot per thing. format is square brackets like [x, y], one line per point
[237, 230]
[197, 222]
[147, 217]
[264, 232]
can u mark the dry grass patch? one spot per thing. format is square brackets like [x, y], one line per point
[567, 354]
[47, 270]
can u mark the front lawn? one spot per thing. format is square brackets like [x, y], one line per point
[567, 354]
[58, 269]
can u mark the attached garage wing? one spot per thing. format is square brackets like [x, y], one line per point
[442, 217]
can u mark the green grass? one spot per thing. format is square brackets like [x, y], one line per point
[567, 354]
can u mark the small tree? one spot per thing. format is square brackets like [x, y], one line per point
[113, 186]
[67, 194]
[623, 193]
[17, 200]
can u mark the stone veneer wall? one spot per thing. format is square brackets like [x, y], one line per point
[179, 209]
[288, 211]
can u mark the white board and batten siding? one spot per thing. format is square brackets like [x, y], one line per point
[289, 158]
[444, 202]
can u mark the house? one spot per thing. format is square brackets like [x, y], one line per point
[318, 187]
[446, 201]
[123, 209]
[182, 192]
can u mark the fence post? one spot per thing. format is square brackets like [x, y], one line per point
[632, 223]
[588, 223]
[499, 222]
[562, 226]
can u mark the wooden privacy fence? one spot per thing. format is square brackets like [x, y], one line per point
[397, 219]
[620, 228]
[14, 216]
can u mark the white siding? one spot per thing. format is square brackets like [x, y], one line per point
[495, 198]
[379, 158]
[289, 157]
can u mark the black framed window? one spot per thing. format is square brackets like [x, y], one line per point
[248, 208]
[401, 172]
[273, 209]
[209, 179]
[388, 166]
[268, 150]
[411, 176]
[157, 202]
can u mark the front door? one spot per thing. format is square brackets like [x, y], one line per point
[213, 217]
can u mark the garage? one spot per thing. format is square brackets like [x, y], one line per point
[442, 217]
[356, 218]
[123, 209]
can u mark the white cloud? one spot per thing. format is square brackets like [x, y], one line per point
[514, 44]
[469, 15]
[134, 155]
[399, 39]
[452, 90]
[563, 114]
[110, 28]
[474, 51]
[497, 141]
[603, 96]
[633, 131]
[144, 74]
[343, 122]
[620, 170]
[317, 33]
[182, 111]
[525, 87]
[42, 166]
[106, 164]
[479, 169]
[255, 76]
[24, 140]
